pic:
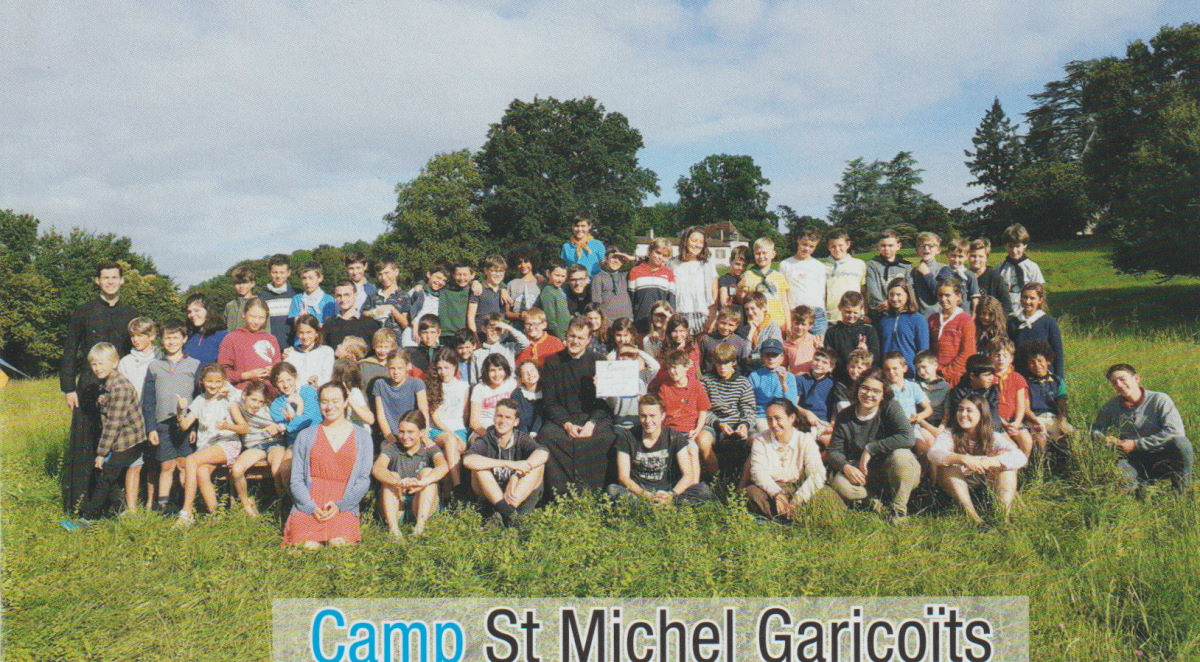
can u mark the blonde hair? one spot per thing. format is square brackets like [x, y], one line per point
[142, 326]
[658, 245]
[763, 242]
[103, 351]
[355, 346]
[533, 315]
[929, 237]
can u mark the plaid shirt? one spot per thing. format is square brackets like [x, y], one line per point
[121, 411]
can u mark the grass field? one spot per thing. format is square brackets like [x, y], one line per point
[1108, 577]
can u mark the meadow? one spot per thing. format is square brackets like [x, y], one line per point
[1109, 577]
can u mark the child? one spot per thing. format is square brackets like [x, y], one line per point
[582, 248]
[725, 333]
[759, 327]
[465, 343]
[652, 281]
[553, 301]
[817, 391]
[493, 297]
[142, 332]
[541, 344]
[408, 472]
[798, 349]
[295, 408]
[496, 383]
[853, 331]
[313, 301]
[625, 408]
[951, 333]
[389, 305]
[903, 329]
[727, 285]
[770, 282]
[311, 357]
[599, 326]
[610, 287]
[447, 401]
[1032, 325]
[957, 269]
[1047, 393]
[911, 397]
[459, 301]
[122, 432]
[278, 296]
[169, 380]
[660, 313]
[733, 409]
[806, 278]
[686, 403]
[622, 333]
[248, 353]
[398, 394]
[243, 285]
[884, 268]
[772, 381]
[980, 379]
[345, 372]
[356, 271]
[498, 338]
[348, 321]
[924, 274]
[990, 322]
[845, 272]
[523, 290]
[353, 348]
[507, 467]
[262, 438]
[424, 299]
[528, 398]
[843, 387]
[429, 341]
[578, 294]
[218, 421]
[936, 389]
[1017, 270]
[989, 281]
[695, 278]
[1013, 397]
[374, 366]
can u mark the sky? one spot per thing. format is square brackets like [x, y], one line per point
[214, 132]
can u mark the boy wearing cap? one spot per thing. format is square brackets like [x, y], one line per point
[772, 381]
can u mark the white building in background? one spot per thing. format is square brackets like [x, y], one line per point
[723, 237]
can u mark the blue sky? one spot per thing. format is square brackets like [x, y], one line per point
[213, 132]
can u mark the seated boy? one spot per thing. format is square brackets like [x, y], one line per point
[980, 380]
[801, 344]
[465, 342]
[625, 408]
[1047, 393]
[817, 393]
[731, 396]
[1013, 398]
[541, 343]
[349, 321]
[655, 462]
[507, 466]
[313, 300]
[429, 336]
[935, 388]
[772, 381]
[687, 406]
[857, 364]
[725, 333]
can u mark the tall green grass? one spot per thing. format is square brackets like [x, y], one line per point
[1109, 577]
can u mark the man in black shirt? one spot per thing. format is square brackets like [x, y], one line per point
[104, 319]
[578, 431]
[349, 321]
[507, 466]
[655, 462]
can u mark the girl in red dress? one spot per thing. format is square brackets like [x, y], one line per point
[331, 473]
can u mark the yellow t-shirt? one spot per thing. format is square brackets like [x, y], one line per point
[775, 289]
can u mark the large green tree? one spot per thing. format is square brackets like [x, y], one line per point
[725, 187]
[998, 156]
[883, 194]
[437, 216]
[547, 160]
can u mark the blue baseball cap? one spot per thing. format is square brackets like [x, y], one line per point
[771, 346]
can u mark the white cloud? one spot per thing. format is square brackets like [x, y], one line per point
[213, 132]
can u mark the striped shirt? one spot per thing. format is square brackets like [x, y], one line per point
[732, 400]
[648, 286]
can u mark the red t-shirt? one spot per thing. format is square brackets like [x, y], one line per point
[1009, 386]
[684, 403]
[540, 349]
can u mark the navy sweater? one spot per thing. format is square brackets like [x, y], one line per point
[1044, 330]
[907, 333]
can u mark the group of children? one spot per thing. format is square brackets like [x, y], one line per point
[449, 369]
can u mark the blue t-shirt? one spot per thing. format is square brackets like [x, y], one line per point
[815, 395]
[310, 415]
[397, 400]
[767, 388]
[909, 396]
[590, 258]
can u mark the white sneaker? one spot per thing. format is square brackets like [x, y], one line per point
[185, 519]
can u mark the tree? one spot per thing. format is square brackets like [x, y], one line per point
[724, 187]
[793, 222]
[547, 160]
[1048, 197]
[997, 157]
[1143, 162]
[883, 194]
[661, 218]
[436, 216]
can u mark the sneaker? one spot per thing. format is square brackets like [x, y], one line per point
[185, 519]
[493, 521]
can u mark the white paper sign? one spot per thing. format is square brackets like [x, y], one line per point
[617, 379]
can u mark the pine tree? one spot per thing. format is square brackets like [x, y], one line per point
[998, 154]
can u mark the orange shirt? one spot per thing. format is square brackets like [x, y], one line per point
[540, 349]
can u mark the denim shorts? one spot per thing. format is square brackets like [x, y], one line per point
[173, 443]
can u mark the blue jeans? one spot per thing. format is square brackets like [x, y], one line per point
[820, 323]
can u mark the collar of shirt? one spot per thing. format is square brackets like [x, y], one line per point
[1027, 322]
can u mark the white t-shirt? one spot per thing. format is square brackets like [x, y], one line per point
[693, 285]
[485, 398]
[807, 281]
[211, 411]
[317, 362]
[454, 405]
